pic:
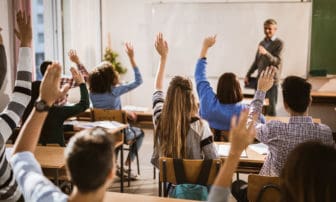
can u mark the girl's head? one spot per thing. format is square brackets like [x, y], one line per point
[179, 107]
[228, 89]
[309, 173]
[102, 78]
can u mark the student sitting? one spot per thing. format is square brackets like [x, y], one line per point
[64, 81]
[105, 92]
[89, 155]
[218, 108]
[52, 131]
[10, 117]
[281, 137]
[179, 132]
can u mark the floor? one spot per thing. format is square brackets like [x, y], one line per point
[145, 184]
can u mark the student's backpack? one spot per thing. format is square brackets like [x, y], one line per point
[184, 190]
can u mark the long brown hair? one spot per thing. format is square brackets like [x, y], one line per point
[102, 78]
[174, 123]
[309, 174]
[228, 89]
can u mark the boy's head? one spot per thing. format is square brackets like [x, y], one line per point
[90, 159]
[44, 66]
[296, 94]
[270, 27]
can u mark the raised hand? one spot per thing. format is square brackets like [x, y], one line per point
[266, 79]
[161, 45]
[129, 49]
[209, 41]
[240, 136]
[73, 56]
[24, 29]
[77, 76]
[50, 87]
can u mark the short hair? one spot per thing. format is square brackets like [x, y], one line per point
[309, 173]
[228, 89]
[270, 22]
[296, 93]
[102, 78]
[89, 158]
[44, 66]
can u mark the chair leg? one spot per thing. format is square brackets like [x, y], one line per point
[129, 169]
[154, 173]
[137, 158]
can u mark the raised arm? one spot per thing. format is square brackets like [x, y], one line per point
[3, 61]
[81, 68]
[10, 117]
[161, 46]
[240, 138]
[49, 92]
[207, 43]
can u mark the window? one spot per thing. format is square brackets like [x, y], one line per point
[40, 18]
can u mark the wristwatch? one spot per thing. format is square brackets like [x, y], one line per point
[41, 106]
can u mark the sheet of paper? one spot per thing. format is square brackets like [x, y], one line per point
[223, 150]
[260, 148]
[135, 108]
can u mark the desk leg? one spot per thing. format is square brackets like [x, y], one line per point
[122, 168]
[56, 178]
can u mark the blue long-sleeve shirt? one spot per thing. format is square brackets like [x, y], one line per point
[111, 100]
[217, 114]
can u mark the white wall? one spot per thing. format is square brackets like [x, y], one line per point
[7, 34]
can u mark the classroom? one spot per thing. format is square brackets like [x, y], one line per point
[173, 100]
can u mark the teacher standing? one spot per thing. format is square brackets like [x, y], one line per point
[268, 54]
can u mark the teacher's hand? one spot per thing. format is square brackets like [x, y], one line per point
[262, 50]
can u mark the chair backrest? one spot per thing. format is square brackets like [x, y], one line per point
[263, 188]
[220, 135]
[109, 115]
[192, 170]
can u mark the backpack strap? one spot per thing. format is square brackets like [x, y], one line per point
[205, 172]
[179, 171]
[264, 188]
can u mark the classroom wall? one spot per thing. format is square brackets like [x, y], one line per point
[6, 25]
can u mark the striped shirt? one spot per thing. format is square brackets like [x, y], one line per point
[9, 118]
[199, 138]
[282, 137]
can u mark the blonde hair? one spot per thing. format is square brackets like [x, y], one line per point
[174, 123]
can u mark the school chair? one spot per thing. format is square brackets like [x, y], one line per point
[220, 135]
[193, 171]
[120, 116]
[263, 188]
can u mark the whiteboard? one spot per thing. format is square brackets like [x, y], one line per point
[239, 29]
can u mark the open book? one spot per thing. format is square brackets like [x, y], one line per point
[224, 149]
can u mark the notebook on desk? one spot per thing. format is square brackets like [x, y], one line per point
[223, 150]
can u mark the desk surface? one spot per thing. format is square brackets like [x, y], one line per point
[120, 197]
[252, 156]
[323, 94]
[48, 157]
[286, 119]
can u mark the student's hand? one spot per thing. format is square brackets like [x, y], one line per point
[50, 87]
[73, 56]
[266, 79]
[1, 41]
[129, 49]
[240, 136]
[77, 76]
[24, 31]
[209, 41]
[131, 115]
[262, 50]
[161, 45]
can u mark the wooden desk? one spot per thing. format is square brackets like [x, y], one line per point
[323, 97]
[250, 164]
[121, 197]
[286, 119]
